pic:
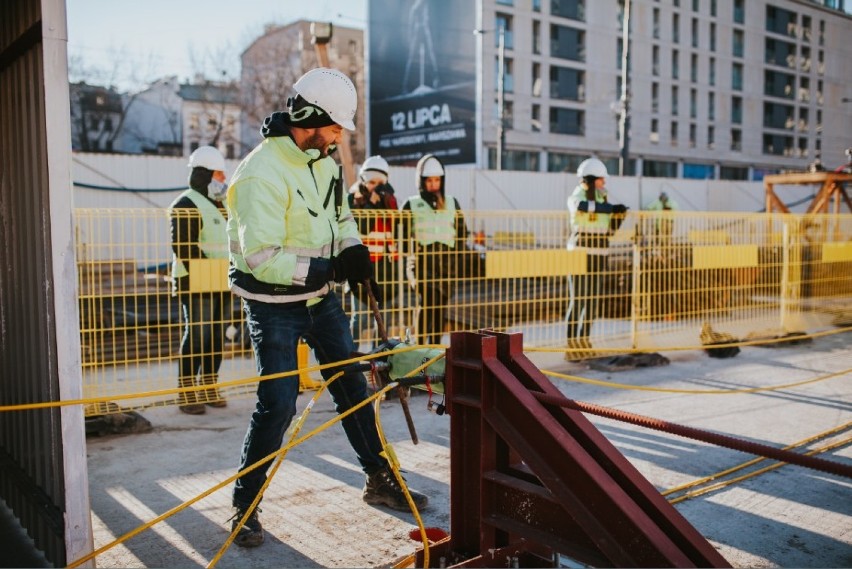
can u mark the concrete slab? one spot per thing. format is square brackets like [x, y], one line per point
[314, 517]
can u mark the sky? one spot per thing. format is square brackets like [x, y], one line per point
[128, 43]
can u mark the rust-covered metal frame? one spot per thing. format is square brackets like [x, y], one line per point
[531, 482]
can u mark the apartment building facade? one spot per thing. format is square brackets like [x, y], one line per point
[717, 88]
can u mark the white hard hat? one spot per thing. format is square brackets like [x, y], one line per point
[373, 165]
[207, 157]
[432, 167]
[591, 167]
[332, 91]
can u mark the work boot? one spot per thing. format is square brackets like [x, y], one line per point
[579, 349]
[383, 489]
[251, 534]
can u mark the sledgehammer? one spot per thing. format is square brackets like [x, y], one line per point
[383, 334]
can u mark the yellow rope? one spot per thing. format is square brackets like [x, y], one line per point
[294, 431]
[227, 481]
[613, 385]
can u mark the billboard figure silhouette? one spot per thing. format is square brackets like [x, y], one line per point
[420, 45]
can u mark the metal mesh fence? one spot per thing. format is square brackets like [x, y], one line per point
[671, 280]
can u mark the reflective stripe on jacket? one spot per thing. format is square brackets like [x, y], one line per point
[282, 213]
[434, 225]
[213, 237]
[590, 230]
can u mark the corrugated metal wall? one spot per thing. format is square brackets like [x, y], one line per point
[43, 477]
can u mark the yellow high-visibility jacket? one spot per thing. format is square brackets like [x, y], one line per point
[282, 213]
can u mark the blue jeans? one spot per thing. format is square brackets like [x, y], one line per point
[275, 330]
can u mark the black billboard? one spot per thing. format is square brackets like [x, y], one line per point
[422, 62]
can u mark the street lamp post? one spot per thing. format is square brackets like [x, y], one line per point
[624, 119]
[501, 85]
[321, 33]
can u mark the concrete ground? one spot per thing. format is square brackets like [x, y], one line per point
[314, 517]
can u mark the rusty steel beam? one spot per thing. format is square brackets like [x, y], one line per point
[542, 478]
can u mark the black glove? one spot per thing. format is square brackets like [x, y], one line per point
[353, 265]
[619, 209]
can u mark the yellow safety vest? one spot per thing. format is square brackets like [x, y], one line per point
[434, 225]
[213, 238]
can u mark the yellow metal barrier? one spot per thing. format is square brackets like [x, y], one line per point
[747, 275]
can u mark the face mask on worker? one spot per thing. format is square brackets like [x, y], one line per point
[217, 190]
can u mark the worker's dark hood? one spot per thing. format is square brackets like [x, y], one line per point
[428, 196]
[276, 124]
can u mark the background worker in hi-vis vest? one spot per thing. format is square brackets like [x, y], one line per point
[439, 233]
[593, 221]
[374, 196]
[198, 231]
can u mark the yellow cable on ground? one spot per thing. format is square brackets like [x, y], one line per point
[773, 466]
[613, 385]
[753, 461]
[294, 431]
[390, 455]
[224, 483]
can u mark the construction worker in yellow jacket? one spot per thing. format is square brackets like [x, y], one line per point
[291, 237]
[198, 232]
[593, 220]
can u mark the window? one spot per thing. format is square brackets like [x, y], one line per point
[777, 84]
[695, 7]
[805, 61]
[713, 8]
[733, 173]
[698, 171]
[803, 120]
[503, 21]
[536, 5]
[655, 60]
[536, 80]
[737, 110]
[619, 48]
[738, 47]
[567, 43]
[777, 145]
[675, 28]
[712, 36]
[777, 52]
[508, 114]
[566, 121]
[820, 63]
[693, 68]
[711, 106]
[736, 140]
[675, 64]
[573, 9]
[711, 137]
[508, 77]
[694, 32]
[656, 31]
[229, 151]
[654, 135]
[535, 118]
[506, 2]
[819, 99]
[804, 89]
[655, 97]
[737, 77]
[693, 134]
[566, 83]
[674, 100]
[693, 103]
[558, 162]
[780, 21]
[536, 37]
[739, 11]
[659, 169]
[673, 133]
[776, 115]
[712, 75]
[806, 28]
